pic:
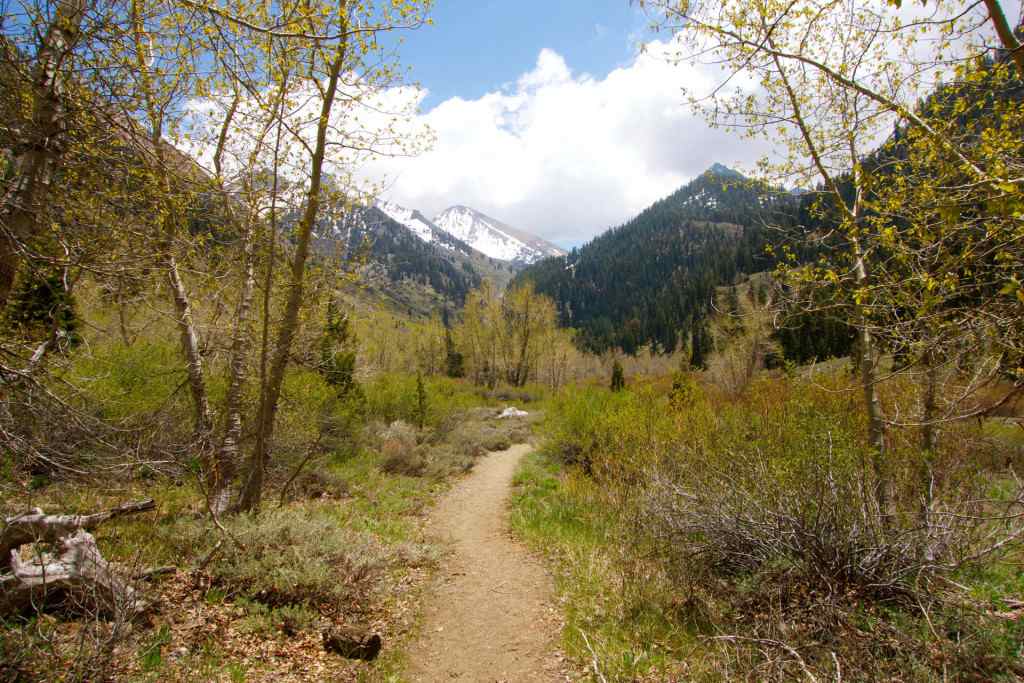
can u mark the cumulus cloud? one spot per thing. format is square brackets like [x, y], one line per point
[564, 154]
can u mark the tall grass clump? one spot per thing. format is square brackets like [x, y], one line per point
[592, 426]
[782, 480]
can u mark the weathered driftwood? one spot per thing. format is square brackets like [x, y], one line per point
[35, 526]
[75, 572]
[78, 574]
[351, 643]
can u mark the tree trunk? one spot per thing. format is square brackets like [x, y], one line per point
[869, 380]
[226, 460]
[523, 366]
[79, 572]
[79, 575]
[253, 490]
[203, 421]
[1006, 35]
[866, 362]
[36, 526]
[929, 436]
[929, 406]
[43, 149]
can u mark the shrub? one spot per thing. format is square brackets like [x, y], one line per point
[319, 483]
[422, 404]
[341, 425]
[444, 459]
[756, 515]
[409, 463]
[589, 424]
[294, 557]
[618, 378]
[685, 391]
[399, 452]
[125, 381]
[394, 396]
[781, 477]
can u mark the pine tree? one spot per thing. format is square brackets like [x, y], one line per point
[618, 378]
[338, 353]
[42, 307]
[421, 401]
[454, 361]
[640, 283]
[700, 344]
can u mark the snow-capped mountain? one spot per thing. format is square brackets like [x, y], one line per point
[412, 219]
[403, 257]
[494, 238]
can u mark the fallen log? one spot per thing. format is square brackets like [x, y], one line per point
[78, 577]
[35, 526]
[74, 573]
[351, 643]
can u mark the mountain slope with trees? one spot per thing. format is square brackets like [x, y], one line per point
[652, 280]
[397, 265]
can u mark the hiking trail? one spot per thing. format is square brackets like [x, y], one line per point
[489, 615]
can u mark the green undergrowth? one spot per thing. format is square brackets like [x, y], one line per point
[339, 538]
[699, 536]
[630, 629]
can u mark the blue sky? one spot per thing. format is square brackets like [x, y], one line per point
[476, 46]
[546, 115]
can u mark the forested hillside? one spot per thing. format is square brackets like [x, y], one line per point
[652, 280]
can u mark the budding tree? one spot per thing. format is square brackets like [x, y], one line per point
[828, 81]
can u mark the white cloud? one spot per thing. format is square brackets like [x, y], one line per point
[567, 155]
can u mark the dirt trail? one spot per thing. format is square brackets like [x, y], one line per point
[489, 616]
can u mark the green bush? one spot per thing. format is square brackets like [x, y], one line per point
[293, 556]
[125, 381]
[342, 424]
[591, 424]
[305, 395]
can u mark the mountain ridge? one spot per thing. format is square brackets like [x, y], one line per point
[420, 268]
[651, 280]
[494, 237]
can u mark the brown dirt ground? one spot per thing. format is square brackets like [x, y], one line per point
[490, 615]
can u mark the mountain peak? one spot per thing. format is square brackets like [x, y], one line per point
[723, 171]
[492, 237]
[410, 218]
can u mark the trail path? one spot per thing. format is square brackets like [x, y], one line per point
[489, 616]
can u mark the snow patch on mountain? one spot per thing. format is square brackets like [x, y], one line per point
[494, 238]
[411, 219]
